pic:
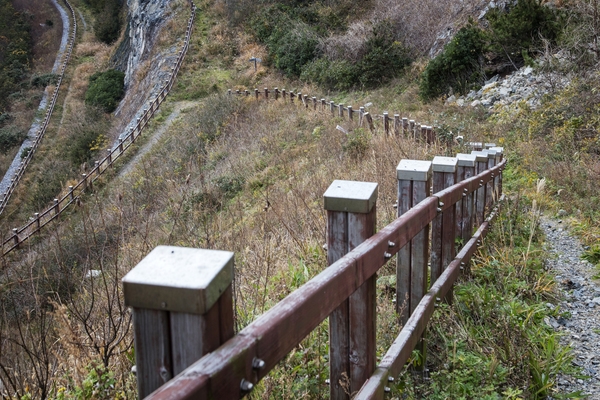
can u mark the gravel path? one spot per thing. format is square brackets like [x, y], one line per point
[28, 142]
[581, 299]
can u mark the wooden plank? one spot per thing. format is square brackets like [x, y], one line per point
[362, 308]
[152, 348]
[419, 261]
[403, 266]
[448, 231]
[436, 232]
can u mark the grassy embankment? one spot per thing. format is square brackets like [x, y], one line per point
[249, 177]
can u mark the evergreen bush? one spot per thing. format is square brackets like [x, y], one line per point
[106, 89]
[458, 68]
[515, 34]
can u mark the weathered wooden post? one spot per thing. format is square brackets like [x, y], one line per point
[266, 93]
[305, 100]
[481, 160]
[386, 123]
[256, 93]
[283, 94]
[314, 101]
[350, 111]
[443, 226]
[396, 124]
[182, 309]
[276, 94]
[351, 219]
[323, 104]
[411, 128]
[414, 186]
[292, 96]
[490, 192]
[498, 179]
[361, 114]
[341, 110]
[331, 107]
[56, 207]
[84, 180]
[404, 126]
[37, 220]
[16, 237]
[369, 121]
[464, 210]
[489, 145]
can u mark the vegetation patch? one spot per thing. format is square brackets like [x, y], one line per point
[106, 89]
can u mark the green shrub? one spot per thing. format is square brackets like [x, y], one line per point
[515, 34]
[10, 136]
[337, 75]
[41, 81]
[294, 49]
[385, 59]
[357, 143]
[106, 89]
[459, 67]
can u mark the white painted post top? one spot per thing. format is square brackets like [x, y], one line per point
[466, 160]
[179, 279]
[476, 145]
[414, 170]
[490, 145]
[499, 150]
[444, 164]
[490, 153]
[350, 196]
[480, 156]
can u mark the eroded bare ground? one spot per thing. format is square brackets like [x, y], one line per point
[157, 134]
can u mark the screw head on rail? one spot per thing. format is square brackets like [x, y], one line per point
[387, 389]
[257, 363]
[387, 255]
[464, 195]
[440, 204]
[391, 244]
[390, 379]
[439, 210]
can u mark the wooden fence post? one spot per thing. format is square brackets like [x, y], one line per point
[276, 93]
[256, 93]
[305, 100]
[283, 94]
[464, 210]
[56, 207]
[396, 124]
[341, 110]
[490, 192]
[361, 114]
[404, 126]
[386, 123]
[481, 165]
[314, 100]
[351, 219]
[350, 111]
[414, 186]
[266, 93]
[37, 220]
[182, 309]
[498, 178]
[16, 237]
[443, 226]
[331, 106]
[322, 104]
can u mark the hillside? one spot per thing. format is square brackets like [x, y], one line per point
[246, 175]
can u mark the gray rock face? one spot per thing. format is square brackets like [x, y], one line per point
[144, 19]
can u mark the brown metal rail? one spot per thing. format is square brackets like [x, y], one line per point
[274, 334]
[20, 235]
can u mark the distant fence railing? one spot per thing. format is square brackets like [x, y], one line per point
[49, 109]
[394, 124]
[182, 300]
[39, 220]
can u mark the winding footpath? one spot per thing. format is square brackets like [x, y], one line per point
[579, 322]
[35, 126]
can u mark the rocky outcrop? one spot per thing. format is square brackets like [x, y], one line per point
[146, 22]
[523, 85]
